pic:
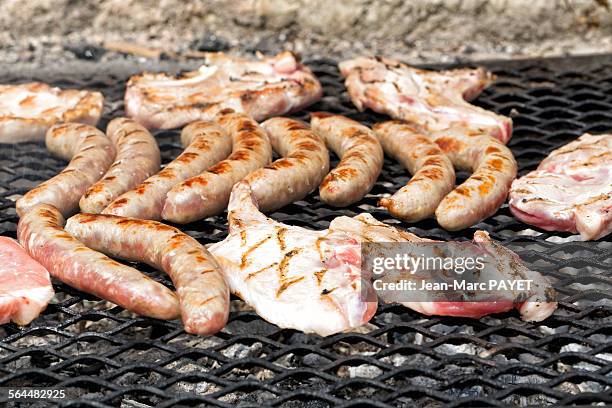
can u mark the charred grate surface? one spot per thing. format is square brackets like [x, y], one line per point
[105, 356]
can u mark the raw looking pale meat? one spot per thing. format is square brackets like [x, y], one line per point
[25, 286]
[294, 277]
[263, 88]
[28, 110]
[434, 100]
[536, 307]
[571, 190]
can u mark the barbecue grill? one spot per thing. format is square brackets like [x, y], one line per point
[104, 356]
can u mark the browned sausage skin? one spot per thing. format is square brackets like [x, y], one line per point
[137, 158]
[304, 163]
[492, 165]
[361, 158]
[433, 175]
[67, 259]
[208, 193]
[206, 144]
[90, 153]
[202, 291]
[493, 169]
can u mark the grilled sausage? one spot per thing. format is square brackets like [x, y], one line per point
[208, 193]
[137, 158]
[304, 164]
[202, 291]
[493, 169]
[67, 259]
[90, 153]
[206, 143]
[361, 158]
[433, 175]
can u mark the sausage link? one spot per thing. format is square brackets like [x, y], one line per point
[67, 259]
[493, 169]
[137, 158]
[90, 153]
[361, 158]
[206, 143]
[304, 163]
[202, 291]
[208, 193]
[433, 175]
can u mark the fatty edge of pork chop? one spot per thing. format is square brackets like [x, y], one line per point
[537, 306]
[571, 190]
[293, 277]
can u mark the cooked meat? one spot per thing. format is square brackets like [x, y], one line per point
[90, 153]
[433, 175]
[261, 89]
[25, 286]
[434, 100]
[536, 304]
[208, 193]
[294, 277]
[202, 292]
[571, 190]
[41, 233]
[205, 145]
[27, 111]
[361, 158]
[492, 165]
[137, 158]
[300, 170]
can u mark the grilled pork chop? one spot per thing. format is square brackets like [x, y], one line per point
[293, 277]
[313, 280]
[25, 286]
[28, 110]
[536, 304]
[268, 87]
[571, 190]
[434, 100]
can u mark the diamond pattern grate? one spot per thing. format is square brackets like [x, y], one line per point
[105, 356]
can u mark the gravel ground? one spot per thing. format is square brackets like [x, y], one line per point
[44, 32]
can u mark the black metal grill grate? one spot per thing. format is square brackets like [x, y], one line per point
[105, 356]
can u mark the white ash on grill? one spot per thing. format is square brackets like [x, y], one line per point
[440, 359]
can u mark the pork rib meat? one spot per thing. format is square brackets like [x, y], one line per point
[28, 110]
[267, 87]
[571, 190]
[434, 100]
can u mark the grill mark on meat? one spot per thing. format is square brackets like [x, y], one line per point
[285, 284]
[326, 292]
[247, 253]
[319, 275]
[257, 272]
[284, 263]
[280, 235]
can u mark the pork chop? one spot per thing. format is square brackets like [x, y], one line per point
[25, 286]
[28, 110]
[571, 190]
[263, 88]
[434, 100]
